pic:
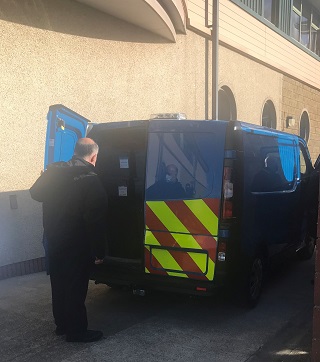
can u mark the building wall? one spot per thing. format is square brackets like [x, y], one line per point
[245, 33]
[291, 77]
[297, 98]
[61, 51]
[251, 83]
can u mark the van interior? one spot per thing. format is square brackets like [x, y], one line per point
[121, 165]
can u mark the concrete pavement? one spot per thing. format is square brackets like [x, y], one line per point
[26, 330]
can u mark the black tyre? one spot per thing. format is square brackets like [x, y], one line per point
[254, 282]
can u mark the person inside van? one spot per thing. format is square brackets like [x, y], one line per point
[268, 178]
[168, 188]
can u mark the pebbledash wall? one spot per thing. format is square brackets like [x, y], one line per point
[110, 62]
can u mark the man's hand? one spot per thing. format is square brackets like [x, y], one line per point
[98, 261]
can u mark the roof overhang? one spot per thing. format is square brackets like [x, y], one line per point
[163, 20]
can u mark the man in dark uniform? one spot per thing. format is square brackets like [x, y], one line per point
[74, 220]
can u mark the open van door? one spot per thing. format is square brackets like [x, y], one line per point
[64, 128]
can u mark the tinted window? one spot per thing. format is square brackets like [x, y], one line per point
[179, 165]
[269, 163]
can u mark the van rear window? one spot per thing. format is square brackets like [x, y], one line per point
[179, 165]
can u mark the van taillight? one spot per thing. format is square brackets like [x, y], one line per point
[227, 193]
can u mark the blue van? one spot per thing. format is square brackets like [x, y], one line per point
[194, 205]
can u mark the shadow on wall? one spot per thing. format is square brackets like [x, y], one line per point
[74, 18]
[21, 249]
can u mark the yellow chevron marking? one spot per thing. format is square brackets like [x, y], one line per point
[204, 214]
[180, 275]
[169, 219]
[146, 270]
[211, 267]
[171, 222]
[165, 259]
[150, 239]
[199, 258]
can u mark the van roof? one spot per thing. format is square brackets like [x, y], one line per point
[158, 125]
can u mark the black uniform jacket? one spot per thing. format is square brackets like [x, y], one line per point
[74, 208]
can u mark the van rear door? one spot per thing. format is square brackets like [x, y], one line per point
[64, 128]
[183, 193]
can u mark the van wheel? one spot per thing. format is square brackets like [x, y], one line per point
[307, 251]
[254, 282]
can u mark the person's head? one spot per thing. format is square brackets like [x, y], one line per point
[172, 173]
[87, 149]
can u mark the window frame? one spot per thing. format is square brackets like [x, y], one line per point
[288, 31]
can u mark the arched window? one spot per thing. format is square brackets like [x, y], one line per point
[305, 126]
[227, 110]
[269, 116]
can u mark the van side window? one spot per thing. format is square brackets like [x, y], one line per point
[269, 163]
[305, 161]
[269, 178]
[303, 165]
[179, 166]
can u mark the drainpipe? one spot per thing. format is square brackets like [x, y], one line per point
[215, 57]
[206, 76]
[214, 26]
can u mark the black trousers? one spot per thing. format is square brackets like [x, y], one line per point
[69, 276]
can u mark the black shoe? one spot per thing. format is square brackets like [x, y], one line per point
[60, 331]
[89, 336]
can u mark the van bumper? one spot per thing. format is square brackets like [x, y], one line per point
[131, 275]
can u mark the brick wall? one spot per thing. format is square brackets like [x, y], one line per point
[297, 98]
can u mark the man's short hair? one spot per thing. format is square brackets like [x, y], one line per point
[84, 149]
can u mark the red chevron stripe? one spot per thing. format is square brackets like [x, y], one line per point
[152, 220]
[182, 258]
[214, 205]
[207, 243]
[187, 264]
[155, 263]
[166, 239]
[187, 217]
